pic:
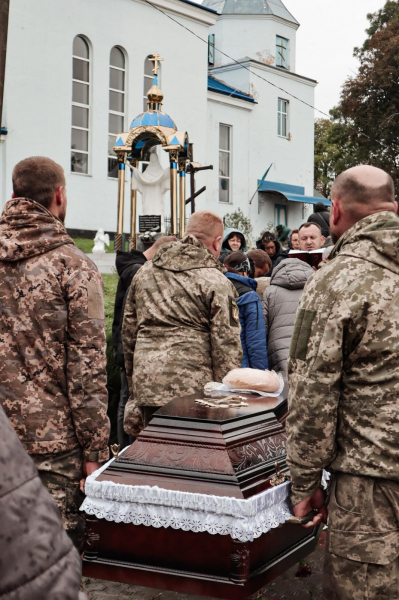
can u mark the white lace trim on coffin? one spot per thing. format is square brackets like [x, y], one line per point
[243, 520]
[244, 529]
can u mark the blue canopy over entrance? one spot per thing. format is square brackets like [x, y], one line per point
[293, 193]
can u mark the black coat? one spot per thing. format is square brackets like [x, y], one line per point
[277, 258]
[322, 219]
[127, 264]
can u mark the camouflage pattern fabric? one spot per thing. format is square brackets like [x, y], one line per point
[61, 474]
[52, 350]
[344, 361]
[37, 559]
[179, 324]
[363, 543]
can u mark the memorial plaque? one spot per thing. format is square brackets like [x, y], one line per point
[149, 223]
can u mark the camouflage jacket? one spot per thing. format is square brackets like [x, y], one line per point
[52, 337]
[344, 361]
[180, 323]
[37, 558]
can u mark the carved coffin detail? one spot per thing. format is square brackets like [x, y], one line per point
[228, 451]
[264, 450]
[190, 457]
[240, 561]
[92, 538]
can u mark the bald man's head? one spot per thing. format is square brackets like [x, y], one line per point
[207, 227]
[357, 193]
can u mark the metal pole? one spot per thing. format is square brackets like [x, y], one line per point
[192, 179]
[133, 214]
[182, 208]
[4, 11]
[121, 202]
[173, 196]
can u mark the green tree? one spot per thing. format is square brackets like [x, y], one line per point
[370, 100]
[334, 151]
[239, 221]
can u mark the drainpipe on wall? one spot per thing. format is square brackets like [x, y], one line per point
[4, 12]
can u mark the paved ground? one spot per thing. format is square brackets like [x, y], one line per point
[287, 587]
[105, 262]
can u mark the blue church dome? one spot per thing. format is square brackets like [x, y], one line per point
[156, 119]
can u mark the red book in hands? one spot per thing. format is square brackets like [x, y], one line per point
[313, 258]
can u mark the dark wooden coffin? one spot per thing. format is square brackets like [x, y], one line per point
[188, 447]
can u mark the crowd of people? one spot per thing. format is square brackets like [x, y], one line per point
[186, 313]
[269, 282]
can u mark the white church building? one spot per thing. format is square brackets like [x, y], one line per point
[78, 71]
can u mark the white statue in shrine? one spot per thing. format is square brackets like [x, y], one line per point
[100, 241]
[152, 185]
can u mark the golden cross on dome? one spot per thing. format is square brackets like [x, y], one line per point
[156, 58]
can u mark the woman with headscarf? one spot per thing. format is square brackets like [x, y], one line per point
[233, 241]
[270, 244]
[253, 331]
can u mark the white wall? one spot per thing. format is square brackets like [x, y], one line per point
[236, 114]
[39, 87]
[292, 158]
[254, 36]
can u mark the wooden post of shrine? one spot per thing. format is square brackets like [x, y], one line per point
[133, 209]
[173, 193]
[182, 198]
[121, 201]
[4, 10]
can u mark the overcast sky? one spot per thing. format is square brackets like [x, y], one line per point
[329, 31]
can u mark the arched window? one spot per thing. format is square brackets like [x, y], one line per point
[80, 106]
[148, 78]
[116, 117]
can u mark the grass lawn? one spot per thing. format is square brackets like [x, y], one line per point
[87, 245]
[110, 285]
[113, 372]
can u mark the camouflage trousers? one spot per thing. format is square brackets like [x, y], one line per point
[61, 474]
[363, 539]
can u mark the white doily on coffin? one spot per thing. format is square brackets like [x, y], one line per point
[243, 520]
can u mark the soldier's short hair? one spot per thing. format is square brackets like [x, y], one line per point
[260, 258]
[205, 224]
[360, 193]
[37, 178]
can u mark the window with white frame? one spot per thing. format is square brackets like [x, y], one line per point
[224, 162]
[211, 49]
[148, 79]
[282, 118]
[80, 106]
[282, 46]
[117, 95]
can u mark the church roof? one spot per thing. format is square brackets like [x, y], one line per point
[157, 119]
[252, 7]
[215, 85]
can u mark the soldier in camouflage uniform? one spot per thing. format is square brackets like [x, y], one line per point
[52, 351]
[344, 387]
[181, 321]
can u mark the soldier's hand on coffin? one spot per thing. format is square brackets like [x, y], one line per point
[88, 468]
[314, 502]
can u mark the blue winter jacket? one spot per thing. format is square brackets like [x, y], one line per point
[253, 330]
